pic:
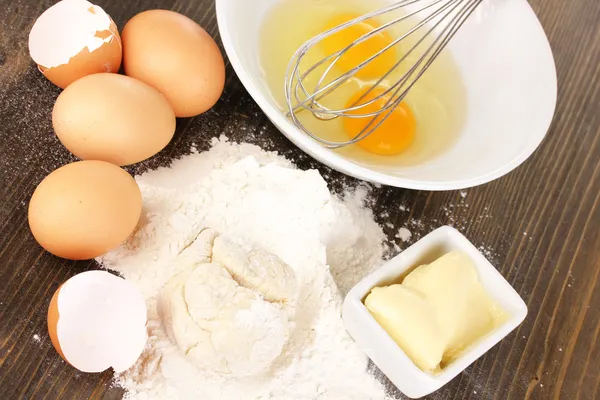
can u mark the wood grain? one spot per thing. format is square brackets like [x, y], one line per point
[540, 225]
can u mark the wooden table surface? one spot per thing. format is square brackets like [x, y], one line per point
[540, 225]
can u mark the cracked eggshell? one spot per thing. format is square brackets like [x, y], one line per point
[72, 39]
[97, 320]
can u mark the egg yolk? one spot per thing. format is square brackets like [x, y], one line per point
[362, 51]
[395, 134]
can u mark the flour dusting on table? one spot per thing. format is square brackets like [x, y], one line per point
[330, 243]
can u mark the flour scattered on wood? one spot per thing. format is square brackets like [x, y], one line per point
[404, 234]
[329, 241]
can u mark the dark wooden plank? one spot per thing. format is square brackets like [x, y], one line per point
[540, 225]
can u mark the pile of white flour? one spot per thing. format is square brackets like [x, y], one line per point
[330, 243]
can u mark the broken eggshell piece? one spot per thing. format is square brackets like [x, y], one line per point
[97, 320]
[72, 39]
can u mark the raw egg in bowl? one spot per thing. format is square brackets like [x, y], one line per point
[479, 111]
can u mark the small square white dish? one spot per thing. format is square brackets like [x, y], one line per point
[382, 349]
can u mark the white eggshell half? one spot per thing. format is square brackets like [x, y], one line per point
[102, 322]
[65, 29]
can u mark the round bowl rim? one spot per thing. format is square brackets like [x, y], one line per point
[341, 164]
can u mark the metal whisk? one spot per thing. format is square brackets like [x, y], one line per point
[439, 21]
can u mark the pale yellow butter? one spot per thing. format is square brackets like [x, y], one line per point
[437, 312]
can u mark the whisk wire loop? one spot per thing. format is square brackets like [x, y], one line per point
[445, 18]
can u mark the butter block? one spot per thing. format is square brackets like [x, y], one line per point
[438, 311]
[410, 320]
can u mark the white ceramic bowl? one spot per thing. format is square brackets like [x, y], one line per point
[382, 349]
[508, 71]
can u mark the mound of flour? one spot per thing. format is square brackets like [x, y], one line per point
[260, 197]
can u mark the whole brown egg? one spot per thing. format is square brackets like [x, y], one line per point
[84, 209]
[175, 55]
[113, 118]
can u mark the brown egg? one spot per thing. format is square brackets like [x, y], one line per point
[176, 56]
[113, 118]
[84, 209]
[73, 39]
